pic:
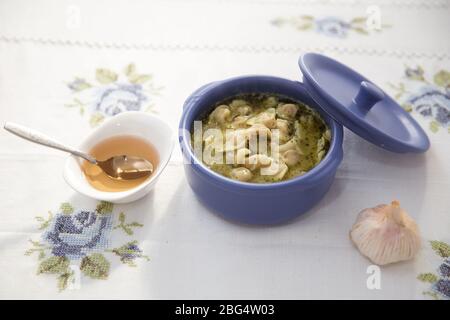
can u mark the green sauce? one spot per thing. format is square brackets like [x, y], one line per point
[301, 128]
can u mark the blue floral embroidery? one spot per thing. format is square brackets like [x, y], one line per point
[440, 282]
[332, 27]
[76, 235]
[433, 103]
[328, 26]
[111, 93]
[444, 268]
[430, 99]
[415, 73]
[442, 287]
[80, 239]
[129, 252]
[117, 98]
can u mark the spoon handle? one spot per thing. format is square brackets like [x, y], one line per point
[40, 138]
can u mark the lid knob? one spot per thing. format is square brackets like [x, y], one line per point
[368, 95]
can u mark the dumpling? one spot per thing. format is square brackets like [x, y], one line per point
[270, 102]
[266, 118]
[240, 122]
[257, 161]
[241, 156]
[276, 170]
[287, 111]
[237, 103]
[241, 174]
[291, 157]
[283, 127]
[290, 145]
[244, 110]
[221, 114]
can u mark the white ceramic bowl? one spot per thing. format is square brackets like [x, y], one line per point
[148, 127]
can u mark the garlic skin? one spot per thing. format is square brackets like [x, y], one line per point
[386, 234]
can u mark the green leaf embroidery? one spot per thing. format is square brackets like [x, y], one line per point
[44, 222]
[359, 20]
[37, 247]
[104, 207]
[441, 248]
[302, 23]
[54, 264]
[36, 243]
[135, 224]
[442, 78]
[63, 280]
[127, 227]
[66, 208]
[307, 17]
[130, 69]
[96, 118]
[150, 108]
[139, 78]
[360, 30]
[400, 90]
[76, 104]
[105, 76]
[433, 295]
[95, 266]
[154, 89]
[79, 84]
[434, 126]
[305, 26]
[408, 107]
[128, 252]
[427, 277]
[41, 255]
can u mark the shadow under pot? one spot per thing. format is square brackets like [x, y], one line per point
[256, 203]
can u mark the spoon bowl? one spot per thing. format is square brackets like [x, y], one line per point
[126, 167]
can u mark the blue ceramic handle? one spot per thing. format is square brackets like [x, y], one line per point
[368, 95]
[197, 94]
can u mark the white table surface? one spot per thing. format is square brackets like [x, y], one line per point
[186, 251]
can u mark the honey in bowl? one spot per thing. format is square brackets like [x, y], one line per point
[116, 146]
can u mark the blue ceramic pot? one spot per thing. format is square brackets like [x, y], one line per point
[251, 203]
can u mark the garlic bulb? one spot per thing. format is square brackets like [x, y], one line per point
[386, 234]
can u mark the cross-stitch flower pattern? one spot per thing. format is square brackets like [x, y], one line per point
[429, 98]
[75, 235]
[110, 93]
[80, 239]
[129, 252]
[329, 26]
[440, 281]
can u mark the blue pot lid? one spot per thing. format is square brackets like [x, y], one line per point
[360, 105]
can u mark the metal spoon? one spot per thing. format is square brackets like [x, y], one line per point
[121, 167]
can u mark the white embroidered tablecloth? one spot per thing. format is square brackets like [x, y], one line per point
[60, 59]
